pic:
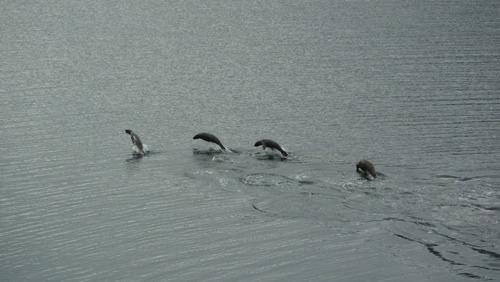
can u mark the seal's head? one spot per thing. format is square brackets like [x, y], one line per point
[128, 131]
[258, 143]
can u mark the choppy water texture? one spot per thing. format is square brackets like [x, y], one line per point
[412, 86]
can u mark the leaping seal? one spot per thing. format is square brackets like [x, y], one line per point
[136, 141]
[267, 143]
[366, 169]
[210, 138]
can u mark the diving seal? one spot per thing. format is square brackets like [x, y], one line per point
[366, 169]
[135, 140]
[267, 143]
[210, 138]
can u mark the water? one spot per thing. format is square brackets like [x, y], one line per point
[410, 85]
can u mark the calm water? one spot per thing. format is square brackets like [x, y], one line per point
[411, 85]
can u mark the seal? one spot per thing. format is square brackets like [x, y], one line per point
[267, 143]
[366, 169]
[210, 138]
[135, 140]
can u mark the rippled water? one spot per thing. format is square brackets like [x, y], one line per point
[410, 85]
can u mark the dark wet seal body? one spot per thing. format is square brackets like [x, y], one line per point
[267, 143]
[135, 140]
[210, 138]
[366, 169]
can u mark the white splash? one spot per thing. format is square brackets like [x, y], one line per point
[137, 151]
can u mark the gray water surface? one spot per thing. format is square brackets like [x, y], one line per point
[412, 86]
